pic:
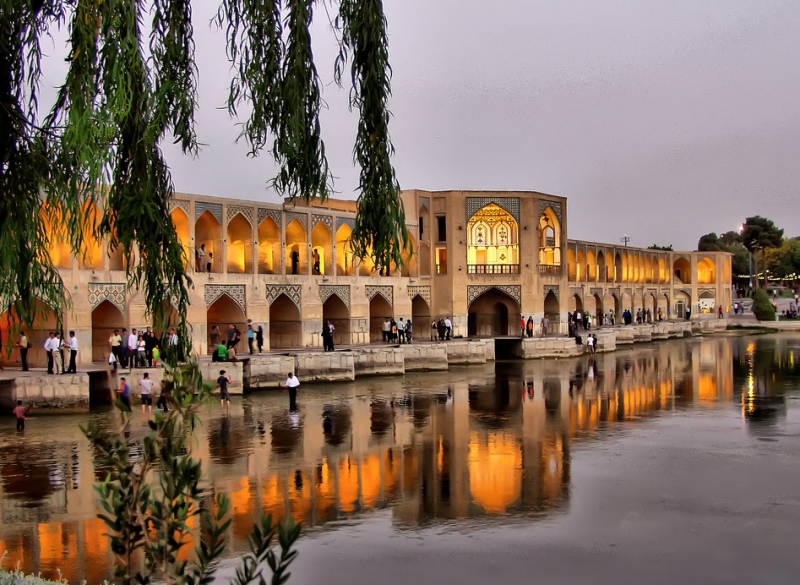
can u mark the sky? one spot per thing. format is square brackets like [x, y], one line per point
[659, 120]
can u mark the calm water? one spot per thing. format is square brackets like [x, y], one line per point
[427, 456]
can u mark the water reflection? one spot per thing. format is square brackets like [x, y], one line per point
[477, 443]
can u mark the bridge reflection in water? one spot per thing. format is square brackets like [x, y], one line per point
[478, 443]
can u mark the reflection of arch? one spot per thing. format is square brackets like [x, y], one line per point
[208, 231]
[493, 313]
[682, 271]
[344, 254]
[379, 310]
[420, 316]
[549, 229]
[335, 311]
[285, 326]
[181, 222]
[321, 246]
[495, 472]
[706, 271]
[296, 242]
[223, 312]
[105, 318]
[240, 245]
[269, 247]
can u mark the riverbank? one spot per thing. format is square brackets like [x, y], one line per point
[77, 392]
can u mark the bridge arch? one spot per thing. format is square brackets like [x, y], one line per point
[493, 314]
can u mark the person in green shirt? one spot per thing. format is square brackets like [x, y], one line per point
[221, 353]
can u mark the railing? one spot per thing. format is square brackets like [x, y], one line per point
[493, 268]
[549, 268]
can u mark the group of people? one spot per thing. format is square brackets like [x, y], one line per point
[442, 329]
[55, 347]
[397, 331]
[527, 327]
[138, 349]
[203, 260]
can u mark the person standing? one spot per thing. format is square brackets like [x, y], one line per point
[295, 257]
[224, 397]
[56, 346]
[209, 262]
[115, 342]
[201, 257]
[292, 384]
[529, 326]
[326, 336]
[386, 329]
[522, 326]
[146, 389]
[260, 338]
[544, 324]
[401, 331]
[409, 331]
[215, 336]
[123, 349]
[233, 336]
[433, 330]
[448, 328]
[124, 393]
[48, 349]
[20, 412]
[133, 348]
[331, 329]
[141, 352]
[315, 259]
[73, 353]
[23, 345]
[251, 336]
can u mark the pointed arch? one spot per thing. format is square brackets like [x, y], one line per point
[208, 233]
[226, 311]
[549, 229]
[335, 310]
[269, 247]
[105, 318]
[580, 266]
[240, 245]
[493, 313]
[575, 303]
[344, 253]
[420, 316]
[285, 324]
[552, 308]
[379, 310]
[44, 322]
[591, 266]
[599, 309]
[706, 271]
[682, 271]
[321, 249]
[296, 242]
[181, 223]
[572, 268]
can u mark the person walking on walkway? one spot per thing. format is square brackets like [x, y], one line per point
[529, 326]
[292, 384]
[73, 353]
[260, 339]
[251, 337]
[23, 345]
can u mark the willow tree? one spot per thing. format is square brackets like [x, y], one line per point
[131, 84]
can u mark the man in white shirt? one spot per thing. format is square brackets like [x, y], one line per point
[73, 352]
[48, 349]
[146, 389]
[448, 326]
[401, 331]
[292, 383]
[133, 341]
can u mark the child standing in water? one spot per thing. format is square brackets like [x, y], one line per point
[20, 412]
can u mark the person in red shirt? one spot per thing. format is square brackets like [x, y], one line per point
[20, 412]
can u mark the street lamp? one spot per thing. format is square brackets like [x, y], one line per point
[741, 233]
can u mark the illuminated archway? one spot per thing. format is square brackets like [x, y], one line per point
[706, 271]
[181, 223]
[619, 270]
[549, 229]
[344, 254]
[492, 314]
[55, 228]
[572, 269]
[598, 310]
[91, 252]
[591, 266]
[269, 247]
[335, 311]
[648, 267]
[602, 268]
[321, 249]
[682, 271]
[223, 312]
[105, 318]
[409, 258]
[663, 277]
[379, 311]
[420, 317]
[296, 243]
[285, 325]
[492, 241]
[580, 266]
[208, 233]
[575, 303]
[240, 245]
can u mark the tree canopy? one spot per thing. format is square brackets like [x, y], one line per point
[131, 85]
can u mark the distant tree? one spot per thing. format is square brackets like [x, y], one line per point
[710, 243]
[784, 262]
[731, 238]
[668, 247]
[761, 234]
[762, 307]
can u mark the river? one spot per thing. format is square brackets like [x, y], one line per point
[676, 460]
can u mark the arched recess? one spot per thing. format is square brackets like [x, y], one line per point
[580, 270]
[269, 247]
[572, 270]
[627, 302]
[648, 268]
[296, 242]
[420, 317]
[91, 253]
[575, 303]
[424, 223]
[682, 303]
[322, 246]
[609, 303]
[602, 269]
[223, 312]
[492, 240]
[492, 314]
[344, 254]
[173, 318]
[105, 318]
[650, 303]
[552, 309]
[663, 277]
[637, 301]
[410, 258]
[591, 266]
[617, 303]
[335, 311]
[682, 271]
[379, 310]
[619, 269]
[706, 271]
[599, 309]
[181, 223]
[208, 232]
[240, 245]
[285, 325]
[43, 324]
[663, 303]
[549, 229]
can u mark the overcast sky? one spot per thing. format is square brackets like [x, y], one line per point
[662, 120]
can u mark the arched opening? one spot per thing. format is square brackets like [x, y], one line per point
[602, 268]
[707, 302]
[682, 271]
[420, 316]
[575, 303]
[580, 270]
[208, 234]
[493, 314]
[105, 318]
[627, 302]
[285, 325]
[335, 311]
[296, 252]
[648, 267]
[549, 238]
[240, 245]
[424, 223]
[223, 312]
[663, 277]
[379, 311]
[598, 310]
[269, 247]
[344, 254]
[706, 271]
[172, 320]
[409, 258]
[91, 252]
[552, 309]
[181, 223]
[683, 303]
[44, 322]
[321, 250]
[663, 304]
[617, 308]
[619, 272]
[650, 303]
[492, 241]
[591, 266]
[638, 302]
[366, 265]
[572, 269]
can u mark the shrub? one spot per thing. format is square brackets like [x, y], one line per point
[762, 306]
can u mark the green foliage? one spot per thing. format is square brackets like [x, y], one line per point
[762, 306]
[657, 247]
[149, 499]
[760, 233]
[784, 262]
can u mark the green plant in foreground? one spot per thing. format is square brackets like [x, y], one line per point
[762, 306]
[149, 498]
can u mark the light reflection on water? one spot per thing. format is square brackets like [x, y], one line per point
[478, 444]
